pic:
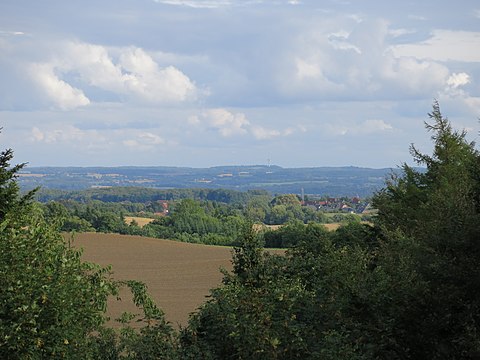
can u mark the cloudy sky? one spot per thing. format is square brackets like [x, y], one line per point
[233, 82]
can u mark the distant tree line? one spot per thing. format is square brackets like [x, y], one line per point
[149, 196]
[210, 222]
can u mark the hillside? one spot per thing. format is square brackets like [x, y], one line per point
[334, 181]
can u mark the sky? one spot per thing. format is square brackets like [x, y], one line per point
[199, 83]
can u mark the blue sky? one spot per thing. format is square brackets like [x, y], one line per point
[232, 82]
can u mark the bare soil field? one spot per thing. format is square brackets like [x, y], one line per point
[178, 275]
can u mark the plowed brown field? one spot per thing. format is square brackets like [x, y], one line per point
[179, 275]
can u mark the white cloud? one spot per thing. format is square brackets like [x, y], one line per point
[417, 17]
[11, 33]
[444, 45]
[458, 79]
[209, 4]
[358, 18]
[306, 69]
[93, 63]
[61, 93]
[261, 133]
[135, 76]
[37, 134]
[414, 76]
[61, 134]
[400, 32]
[339, 41]
[456, 96]
[366, 127]
[373, 126]
[150, 139]
[225, 122]
[70, 136]
[473, 103]
[193, 120]
[142, 141]
[356, 62]
[145, 79]
[230, 124]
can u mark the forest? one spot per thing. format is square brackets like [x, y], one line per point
[405, 286]
[212, 217]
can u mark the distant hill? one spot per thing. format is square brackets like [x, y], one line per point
[334, 181]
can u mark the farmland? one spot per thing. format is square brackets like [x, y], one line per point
[178, 275]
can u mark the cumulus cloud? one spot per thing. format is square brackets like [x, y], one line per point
[455, 92]
[458, 79]
[417, 17]
[209, 4]
[262, 133]
[145, 79]
[63, 95]
[473, 102]
[339, 41]
[143, 141]
[11, 33]
[226, 123]
[307, 69]
[371, 126]
[213, 4]
[133, 75]
[60, 134]
[230, 124]
[415, 77]
[356, 62]
[444, 45]
[71, 136]
[366, 127]
[400, 32]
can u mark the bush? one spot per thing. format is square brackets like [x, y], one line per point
[51, 301]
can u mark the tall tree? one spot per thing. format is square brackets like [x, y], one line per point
[10, 198]
[438, 209]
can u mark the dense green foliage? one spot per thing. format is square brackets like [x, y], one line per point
[200, 221]
[52, 304]
[10, 201]
[149, 197]
[212, 224]
[440, 211]
[50, 301]
[407, 288]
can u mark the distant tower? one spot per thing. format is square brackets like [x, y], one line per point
[268, 162]
[303, 196]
